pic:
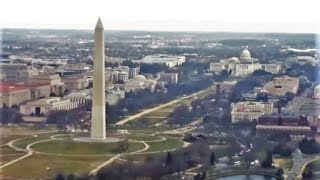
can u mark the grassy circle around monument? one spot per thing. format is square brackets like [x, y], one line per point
[69, 147]
[143, 137]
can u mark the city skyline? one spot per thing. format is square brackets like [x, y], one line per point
[204, 15]
[78, 102]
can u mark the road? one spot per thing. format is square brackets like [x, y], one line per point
[147, 111]
[299, 163]
[294, 105]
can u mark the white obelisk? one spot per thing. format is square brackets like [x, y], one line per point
[98, 121]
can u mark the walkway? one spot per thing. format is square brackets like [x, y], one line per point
[29, 151]
[16, 160]
[147, 111]
[94, 171]
[299, 163]
[10, 144]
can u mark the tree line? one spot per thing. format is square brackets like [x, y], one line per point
[10, 115]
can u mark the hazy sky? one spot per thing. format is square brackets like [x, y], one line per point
[164, 15]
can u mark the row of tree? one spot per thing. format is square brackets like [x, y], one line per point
[10, 115]
[198, 108]
[76, 118]
[309, 146]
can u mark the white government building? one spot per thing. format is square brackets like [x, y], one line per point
[44, 106]
[243, 66]
[249, 110]
[168, 60]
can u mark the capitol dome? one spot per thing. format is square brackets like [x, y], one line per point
[245, 55]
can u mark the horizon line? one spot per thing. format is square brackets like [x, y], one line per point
[172, 31]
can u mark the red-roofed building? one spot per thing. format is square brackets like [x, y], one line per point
[13, 94]
[17, 93]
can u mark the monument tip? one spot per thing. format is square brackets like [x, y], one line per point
[99, 24]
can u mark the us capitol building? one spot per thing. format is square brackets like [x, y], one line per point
[243, 66]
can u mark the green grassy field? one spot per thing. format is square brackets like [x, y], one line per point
[45, 166]
[25, 129]
[159, 113]
[80, 148]
[8, 158]
[163, 112]
[24, 142]
[5, 150]
[142, 137]
[149, 130]
[152, 120]
[285, 163]
[4, 139]
[171, 107]
[168, 144]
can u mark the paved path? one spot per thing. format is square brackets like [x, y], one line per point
[194, 168]
[311, 159]
[109, 161]
[299, 163]
[16, 160]
[185, 129]
[29, 151]
[147, 111]
[146, 147]
[10, 144]
[158, 140]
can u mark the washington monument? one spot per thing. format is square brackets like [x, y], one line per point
[98, 121]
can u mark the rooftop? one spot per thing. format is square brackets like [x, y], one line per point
[12, 86]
